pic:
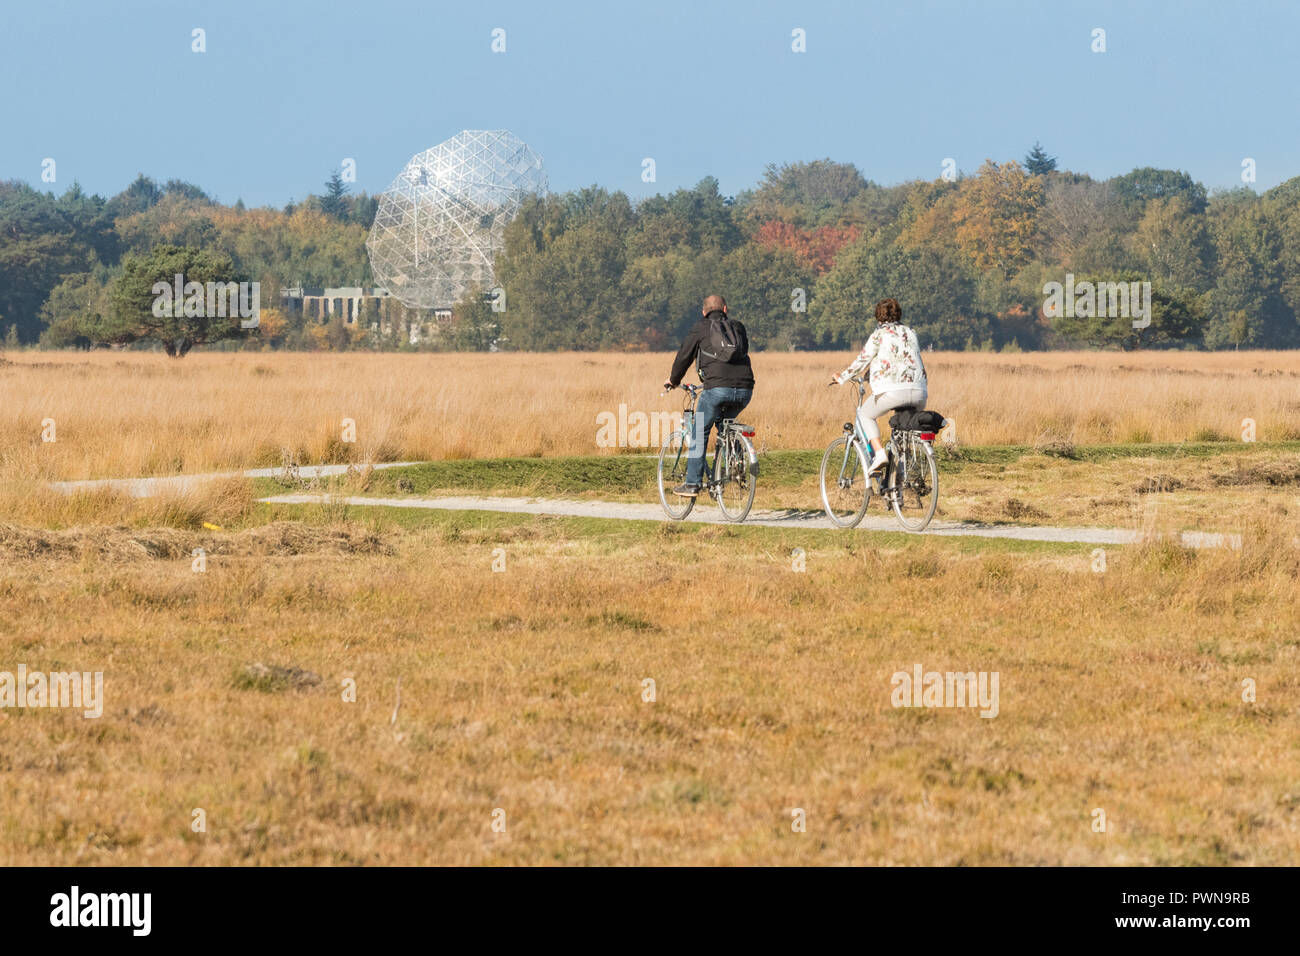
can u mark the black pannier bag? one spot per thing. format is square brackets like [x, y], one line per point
[913, 421]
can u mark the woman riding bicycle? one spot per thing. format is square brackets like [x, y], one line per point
[896, 374]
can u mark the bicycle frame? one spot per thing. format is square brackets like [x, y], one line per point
[688, 425]
[859, 435]
[883, 481]
[713, 473]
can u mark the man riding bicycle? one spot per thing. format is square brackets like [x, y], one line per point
[720, 347]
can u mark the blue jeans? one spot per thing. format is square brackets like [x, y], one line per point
[714, 405]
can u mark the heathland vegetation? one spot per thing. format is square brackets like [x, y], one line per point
[362, 685]
[328, 682]
[801, 257]
[334, 683]
[119, 414]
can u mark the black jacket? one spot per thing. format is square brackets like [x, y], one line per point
[737, 373]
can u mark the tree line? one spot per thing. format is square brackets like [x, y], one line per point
[802, 258]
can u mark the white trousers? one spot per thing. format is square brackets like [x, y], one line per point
[873, 406]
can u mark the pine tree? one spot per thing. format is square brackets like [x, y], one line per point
[1038, 162]
[332, 203]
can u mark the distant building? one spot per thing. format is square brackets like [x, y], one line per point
[321, 304]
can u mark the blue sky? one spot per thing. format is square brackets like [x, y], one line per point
[287, 90]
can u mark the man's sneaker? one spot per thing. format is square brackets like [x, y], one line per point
[687, 491]
[878, 461]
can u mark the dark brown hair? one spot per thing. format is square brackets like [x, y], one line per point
[888, 310]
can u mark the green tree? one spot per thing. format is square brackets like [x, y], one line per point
[1285, 193]
[561, 269]
[137, 313]
[41, 240]
[699, 218]
[649, 293]
[178, 187]
[1249, 278]
[934, 287]
[1176, 319]
[806, 194]
[362, 209]
[334, 202]
[1148, 183]
[75, 304]
[1287, 216]
[475, 327]
[762, 287]
[1171, 244]
[142, 194]
[1038, 163]
[1238, 328]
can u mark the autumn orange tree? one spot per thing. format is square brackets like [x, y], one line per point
[814, 249]
[997, 216]
[991, 217]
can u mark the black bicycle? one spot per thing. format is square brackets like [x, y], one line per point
[731, 477]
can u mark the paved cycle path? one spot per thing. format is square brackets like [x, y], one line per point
[632, 511]
[783, 518]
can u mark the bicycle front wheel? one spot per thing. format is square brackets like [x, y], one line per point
[916, 482]
[737, 480]
[672, 472]
[846, 489]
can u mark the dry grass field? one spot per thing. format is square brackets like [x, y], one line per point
[130, 413]
[499, 660]
[522, 690]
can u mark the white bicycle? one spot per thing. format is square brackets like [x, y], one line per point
[908, 482]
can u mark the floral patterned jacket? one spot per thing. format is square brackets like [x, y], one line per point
[893, 357]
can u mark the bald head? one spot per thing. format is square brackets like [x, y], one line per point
[714, 303]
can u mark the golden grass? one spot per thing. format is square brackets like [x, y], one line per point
[1209, 493]
[219, 501]
[124, 414]
[522, 690]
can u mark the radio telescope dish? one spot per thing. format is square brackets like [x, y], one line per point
[440, 224]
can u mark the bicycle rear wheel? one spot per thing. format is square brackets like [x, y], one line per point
[672, 472]
[916, 480]
[846, 491]
[736, 483]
